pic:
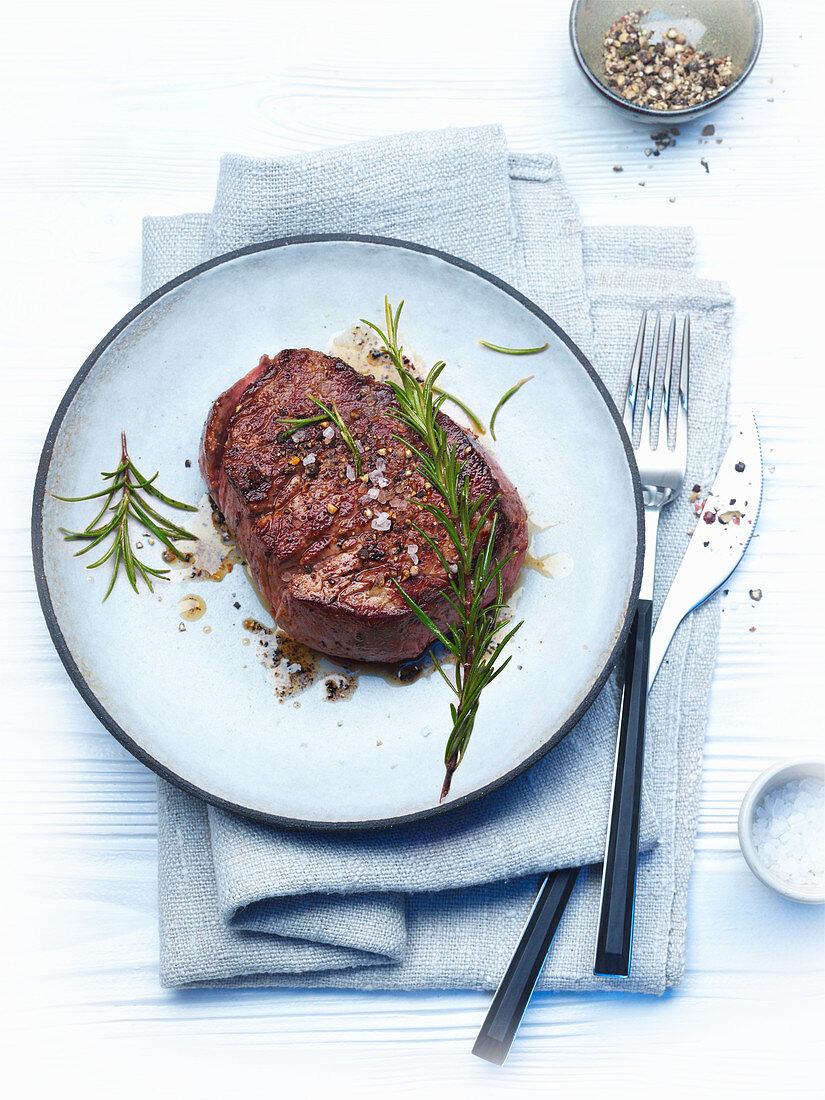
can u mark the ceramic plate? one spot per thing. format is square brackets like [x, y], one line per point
[204, 703]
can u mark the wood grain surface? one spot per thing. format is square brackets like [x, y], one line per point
[111, 111]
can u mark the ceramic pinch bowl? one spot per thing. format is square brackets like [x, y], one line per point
[719, 27]
[771, 780]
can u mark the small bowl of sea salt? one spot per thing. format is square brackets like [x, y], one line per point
[782, 829]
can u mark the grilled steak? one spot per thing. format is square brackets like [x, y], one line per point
[322, 543]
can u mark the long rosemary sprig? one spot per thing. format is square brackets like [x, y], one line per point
[474, 639]
[131, 488]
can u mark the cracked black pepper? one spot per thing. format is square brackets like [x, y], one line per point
[666, 75]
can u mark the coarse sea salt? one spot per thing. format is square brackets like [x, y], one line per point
[789, 831]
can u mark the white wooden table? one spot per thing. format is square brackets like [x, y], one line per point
[115, 110]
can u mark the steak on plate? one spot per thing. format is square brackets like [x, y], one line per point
[322, 543]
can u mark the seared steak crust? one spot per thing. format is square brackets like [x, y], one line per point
[312, 532]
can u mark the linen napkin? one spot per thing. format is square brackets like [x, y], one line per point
[442, 903]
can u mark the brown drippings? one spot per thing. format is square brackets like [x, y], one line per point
[255, 627]
[399, 675]
[362, 350]
[191, 608]
[175, 559]
[340, 686]
[292, 667]
[410, 671]
[213, 556]
[554, 566]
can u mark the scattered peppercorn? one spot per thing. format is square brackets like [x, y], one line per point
[666, 75]
[739, 467]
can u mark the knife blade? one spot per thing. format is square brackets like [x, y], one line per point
[726, 521]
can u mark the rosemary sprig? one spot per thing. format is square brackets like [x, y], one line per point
[503, 401]
[474, 640]
[336, 418]
[296, 423]
[513, 351]
[130, 488]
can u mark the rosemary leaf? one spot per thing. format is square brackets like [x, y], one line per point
[513, 351]
[468, 412]
[338, 421]
[296, 423]
[422, 615]
[504, 400]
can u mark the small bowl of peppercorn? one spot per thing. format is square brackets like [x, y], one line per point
[674, 62]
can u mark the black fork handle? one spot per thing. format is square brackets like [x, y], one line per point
[615, 932]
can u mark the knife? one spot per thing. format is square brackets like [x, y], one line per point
[726, 518]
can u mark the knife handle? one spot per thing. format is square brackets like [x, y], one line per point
[522, 973]
[615, 930]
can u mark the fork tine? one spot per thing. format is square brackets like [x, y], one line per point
[664, 416]
[684, 390]
[647, 437]
[633, 379]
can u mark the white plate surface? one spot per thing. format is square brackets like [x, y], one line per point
[199, 707]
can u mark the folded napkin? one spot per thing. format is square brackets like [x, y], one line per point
[442, 903]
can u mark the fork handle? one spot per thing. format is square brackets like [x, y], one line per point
[615, 930]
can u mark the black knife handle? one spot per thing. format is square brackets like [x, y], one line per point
[615, 932]
[516, 987]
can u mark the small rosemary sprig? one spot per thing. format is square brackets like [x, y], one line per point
[131, 488]
[336, 418]
[296, 423]
[474, 639]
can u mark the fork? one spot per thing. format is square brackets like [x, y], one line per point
[661, 471]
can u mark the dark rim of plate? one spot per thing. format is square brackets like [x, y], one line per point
[685, 114]
[97, 707]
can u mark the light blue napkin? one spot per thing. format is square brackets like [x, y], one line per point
[442, 903]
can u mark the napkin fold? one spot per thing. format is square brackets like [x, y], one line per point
[441, 903]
